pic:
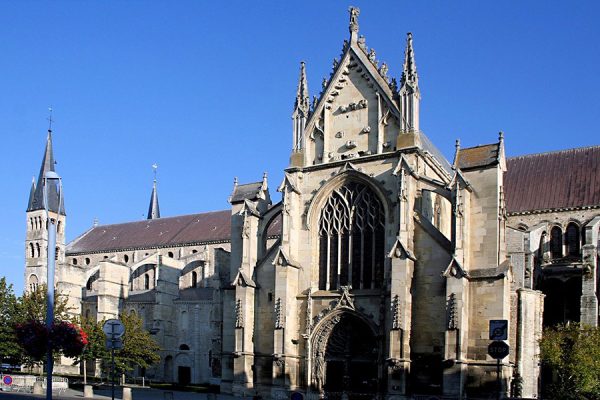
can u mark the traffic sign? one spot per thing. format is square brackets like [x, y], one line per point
[498, 349]
[7, 380]
[116, 344]
[113, 329]
[498, 329]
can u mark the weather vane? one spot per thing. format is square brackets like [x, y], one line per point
[50, 120]
[154, 168]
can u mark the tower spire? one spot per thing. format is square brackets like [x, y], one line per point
[410, 95]
[153, 209]
[36, 202]
[301, 108]
[302, 98]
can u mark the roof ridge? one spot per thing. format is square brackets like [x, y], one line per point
[148, 221]
[554, 152]
[479, 145]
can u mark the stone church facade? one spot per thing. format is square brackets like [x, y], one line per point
[375, 275]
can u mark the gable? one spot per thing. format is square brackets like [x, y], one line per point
[356, 114]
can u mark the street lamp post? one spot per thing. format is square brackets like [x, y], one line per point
[51, 178]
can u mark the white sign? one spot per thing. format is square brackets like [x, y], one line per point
[113, 329]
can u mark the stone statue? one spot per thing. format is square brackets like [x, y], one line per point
[319, 370]
[354, 13]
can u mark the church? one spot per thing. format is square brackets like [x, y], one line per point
[377, 273]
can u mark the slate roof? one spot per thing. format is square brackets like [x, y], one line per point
[478, 156]
[248, 191]
[36, 196]
[162, 232]
[560, 179]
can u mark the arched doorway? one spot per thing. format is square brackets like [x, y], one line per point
[346, 358]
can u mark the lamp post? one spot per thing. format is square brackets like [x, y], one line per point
[51, 178]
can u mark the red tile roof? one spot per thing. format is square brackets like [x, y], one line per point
[561, 179]
[162, 232]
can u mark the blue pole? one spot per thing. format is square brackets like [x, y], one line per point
[51, 253]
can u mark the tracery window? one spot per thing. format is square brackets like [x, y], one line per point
[351, 239]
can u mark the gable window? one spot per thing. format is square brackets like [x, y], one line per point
[351, 239]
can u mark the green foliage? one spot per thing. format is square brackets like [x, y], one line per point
[10, 352]
[139, 348]
[32, 306]
[95, 349]
[573, 353]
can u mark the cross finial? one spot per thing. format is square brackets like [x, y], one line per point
[50, 120]
[154, 168]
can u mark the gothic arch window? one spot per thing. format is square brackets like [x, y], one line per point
[184, 321]
[351, 239]
[572, 240]
[126, 258]
[146, 281]
[58, 226]
[194, 279]
[556, 242]
[37, 250]
[31, 250]
[87, 261]
[33, 282]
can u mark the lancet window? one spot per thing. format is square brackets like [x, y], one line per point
[351, 239]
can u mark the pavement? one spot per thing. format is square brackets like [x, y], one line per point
[137, 393]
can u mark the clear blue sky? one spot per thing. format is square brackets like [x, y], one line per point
[206, 89]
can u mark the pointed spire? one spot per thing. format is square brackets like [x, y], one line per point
[31, 193]
[301, 109]
[409, 90]
[409, 72]
[37, 201]
[153, 209]
[302, 98]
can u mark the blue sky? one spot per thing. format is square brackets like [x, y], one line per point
[206, 89]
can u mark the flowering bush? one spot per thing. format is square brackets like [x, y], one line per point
[69, 338]
[33, 338]
[64, 336]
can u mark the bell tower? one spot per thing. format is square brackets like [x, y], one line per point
[36, 240]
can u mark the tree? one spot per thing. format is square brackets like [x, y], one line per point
[139, 348]
[9, 350]
[32, 307]
[96, 348]
[572, 351]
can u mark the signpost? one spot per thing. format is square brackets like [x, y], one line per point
[498, 329]
[498, 349]
[114, 330]
[7, 380]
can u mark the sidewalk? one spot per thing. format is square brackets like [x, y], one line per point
[137, 393]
